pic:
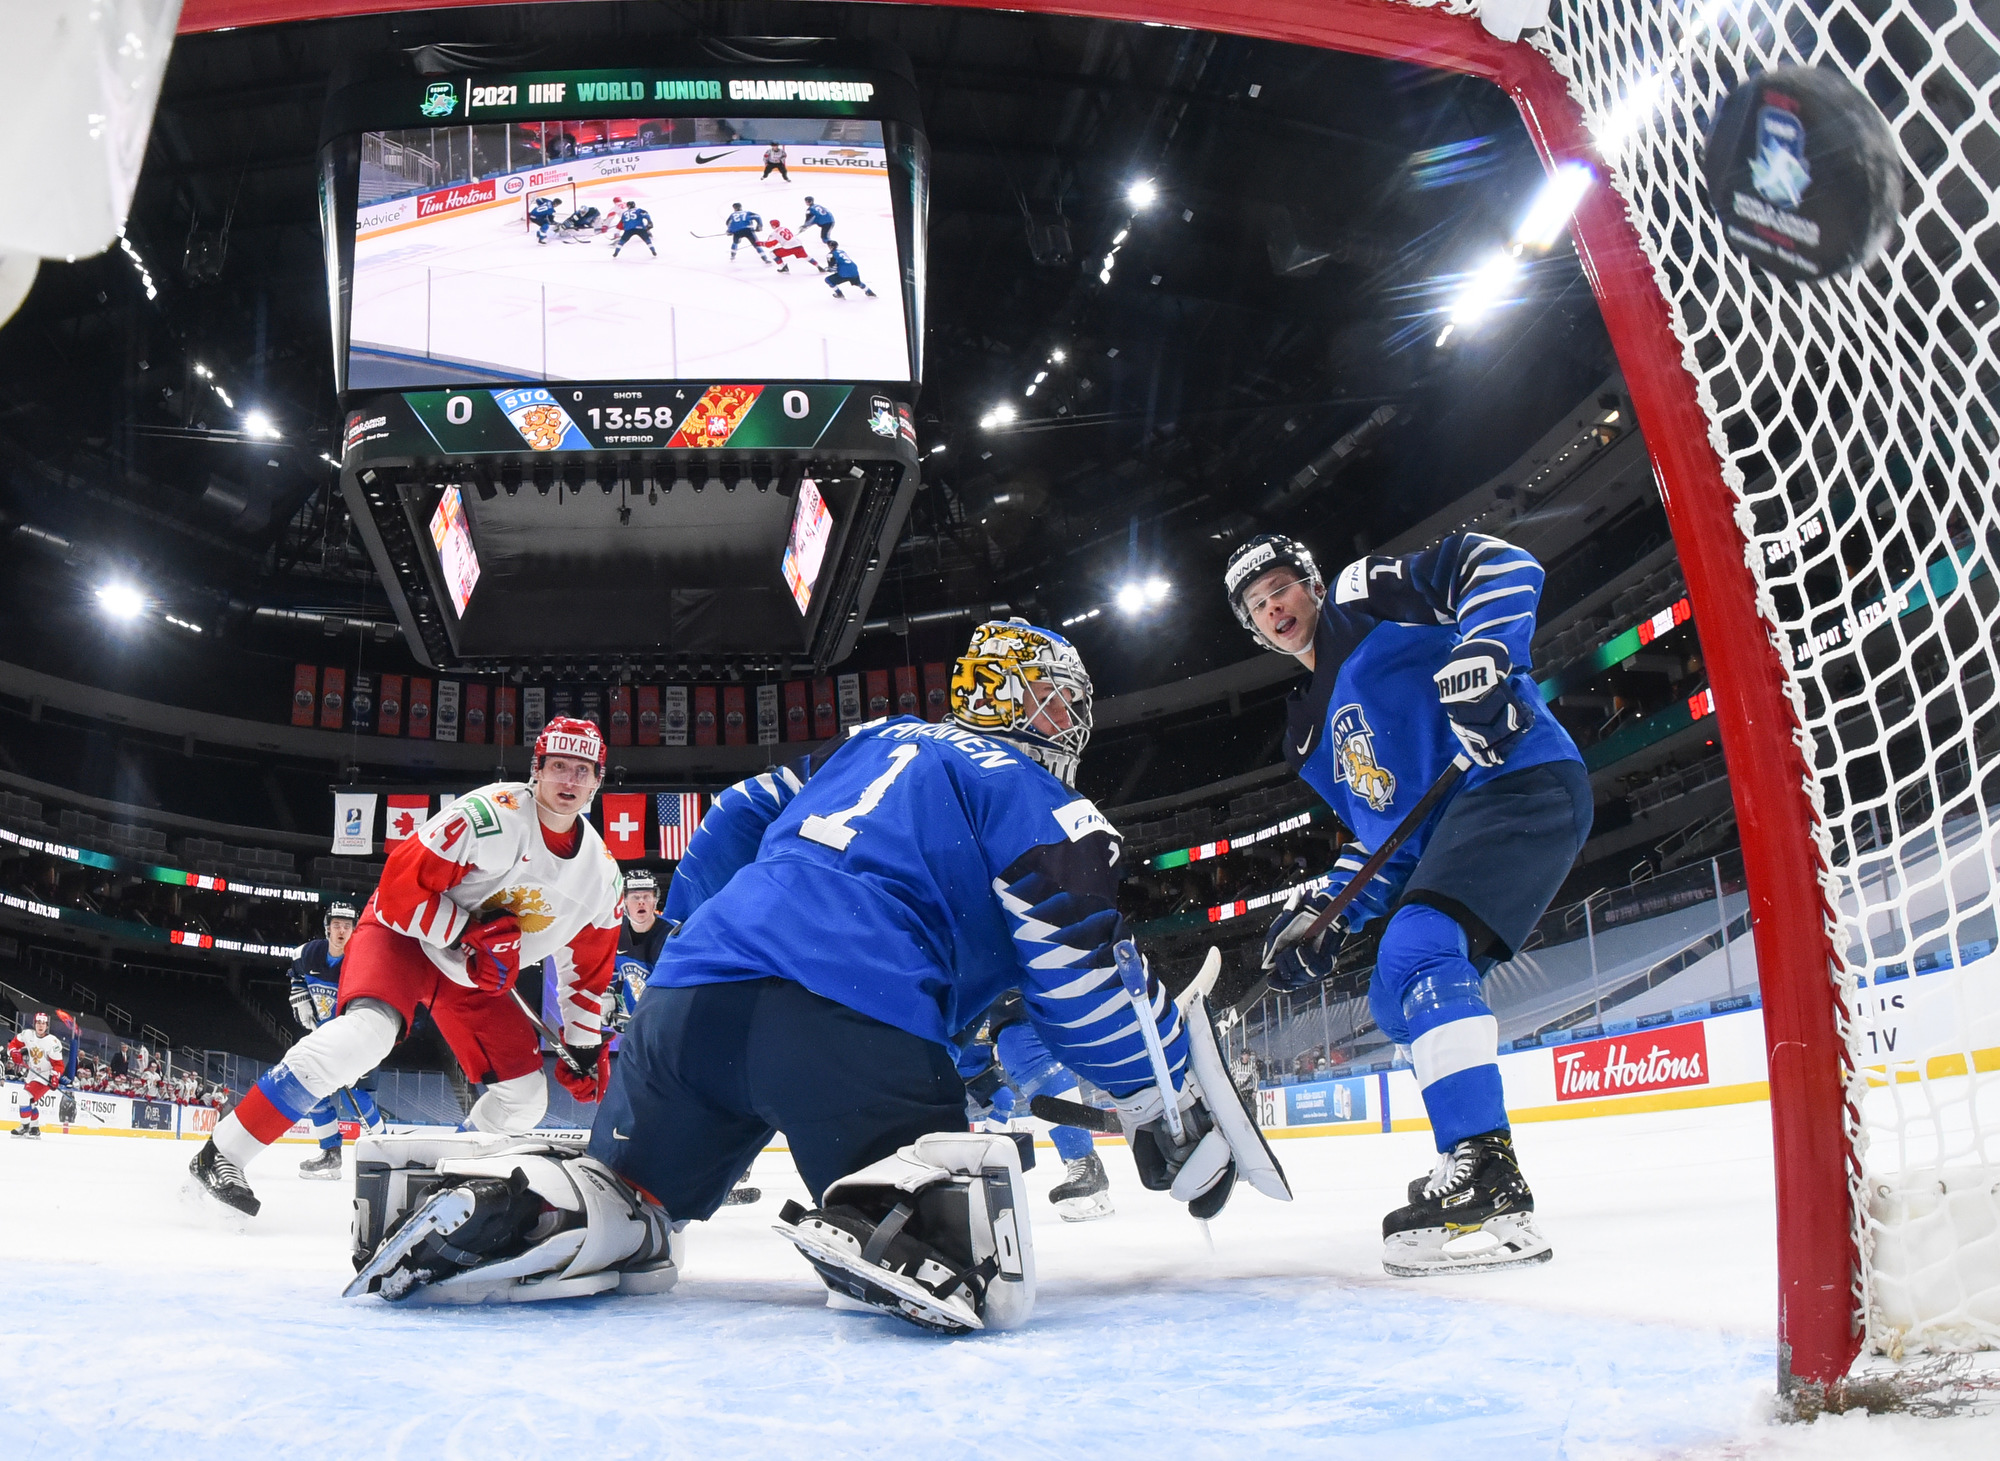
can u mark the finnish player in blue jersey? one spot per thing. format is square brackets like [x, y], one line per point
[1012, 1058]
[920, 873]
[842, 270]
[820, 217]
[1416, 660]
[742, 226]
[634, 222]
[315, 980]
[543, 216]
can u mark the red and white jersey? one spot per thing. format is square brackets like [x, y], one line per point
[42, 1055]
[778, 231]
[488, 851]
[774, 153]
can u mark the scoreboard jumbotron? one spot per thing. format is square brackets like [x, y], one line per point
[628, 357]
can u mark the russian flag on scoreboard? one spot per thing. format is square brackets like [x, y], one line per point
[679, 814]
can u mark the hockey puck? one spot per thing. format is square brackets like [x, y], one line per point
[1803, 174]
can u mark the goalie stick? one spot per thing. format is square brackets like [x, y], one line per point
[1377, 860]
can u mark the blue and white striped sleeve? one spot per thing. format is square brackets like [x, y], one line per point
[1061, 908]
[728, 838]
[1489, 587]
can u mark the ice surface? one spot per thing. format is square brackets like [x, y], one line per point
[149, 1325]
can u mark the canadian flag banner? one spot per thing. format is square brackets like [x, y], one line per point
[625, 824]
[406, 815]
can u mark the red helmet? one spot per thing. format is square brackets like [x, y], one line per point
[568, 736]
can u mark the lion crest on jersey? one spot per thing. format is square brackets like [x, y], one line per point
[1354, 759]
[530, 906]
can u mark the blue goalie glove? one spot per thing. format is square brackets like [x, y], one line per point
[1291, 960]
[1489, 712]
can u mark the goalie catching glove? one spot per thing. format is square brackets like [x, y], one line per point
[1488, 711]
[1218, 1137]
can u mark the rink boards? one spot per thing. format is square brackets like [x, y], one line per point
[98, 1114]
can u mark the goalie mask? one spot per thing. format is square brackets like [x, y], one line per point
[1259, 556]
[1027, 684]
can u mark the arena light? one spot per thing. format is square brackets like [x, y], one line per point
[121, 601]
[1130, 599]
[1030, 391]
[1058, 356]
[256, 423]
[1157, 590]
[1550, 213]
[1485, 288]
[1142, 194]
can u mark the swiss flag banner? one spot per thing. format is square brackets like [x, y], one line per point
[625, 824]
[406, 815]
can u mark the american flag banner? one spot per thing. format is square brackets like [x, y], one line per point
[679, 813]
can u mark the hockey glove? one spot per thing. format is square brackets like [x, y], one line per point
[1489, 713]
[302, 1006]
[493, 952]
[595, 1063]
[1291, 961]
[981, 1090]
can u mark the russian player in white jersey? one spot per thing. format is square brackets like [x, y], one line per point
[501, 879]
[39, 1055]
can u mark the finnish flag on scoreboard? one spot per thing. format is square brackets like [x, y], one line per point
[679, 814]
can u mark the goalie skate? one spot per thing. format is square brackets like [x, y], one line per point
[1473, 1212]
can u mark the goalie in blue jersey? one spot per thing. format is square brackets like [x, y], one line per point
[1415, 661]
[921, 872]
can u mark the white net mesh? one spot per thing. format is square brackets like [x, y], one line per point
[1854, 419]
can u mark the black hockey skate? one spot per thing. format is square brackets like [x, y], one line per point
[223, 1180]
[1474, 1211]
[474, 1220]
[323, 1168]
[1085, 1194]
[29, 1131]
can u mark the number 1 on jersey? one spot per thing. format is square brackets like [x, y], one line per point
[834, 831]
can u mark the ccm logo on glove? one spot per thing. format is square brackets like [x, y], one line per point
[493, 953]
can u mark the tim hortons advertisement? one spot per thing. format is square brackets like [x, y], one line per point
[1665, 1059]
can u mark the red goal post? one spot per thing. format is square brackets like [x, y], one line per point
[1761, 404]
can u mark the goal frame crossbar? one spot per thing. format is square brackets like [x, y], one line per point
[1819, 1338]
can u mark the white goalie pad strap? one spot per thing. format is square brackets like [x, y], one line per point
[1210, 1072]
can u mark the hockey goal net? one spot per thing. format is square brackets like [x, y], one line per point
[563, 193]
[1830, 462]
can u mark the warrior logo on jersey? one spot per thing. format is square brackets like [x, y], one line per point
[1354, 759]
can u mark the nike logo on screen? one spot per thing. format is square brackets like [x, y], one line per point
[699, 159]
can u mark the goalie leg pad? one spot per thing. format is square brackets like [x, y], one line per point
[475, 1219]
[937, 1234]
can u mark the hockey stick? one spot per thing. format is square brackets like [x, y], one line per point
[693, 234]
[562, 1050]
[1377, 860]
[1132, 974]
[1058, 1112]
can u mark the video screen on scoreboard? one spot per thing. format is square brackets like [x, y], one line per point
[454, 549]
[597, 250]
[805, 552]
